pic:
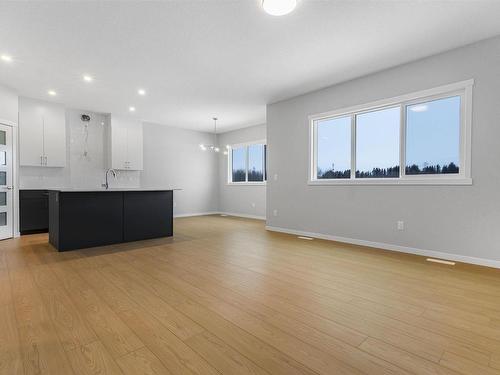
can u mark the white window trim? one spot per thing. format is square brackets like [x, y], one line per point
[229, 149]
[462, 89]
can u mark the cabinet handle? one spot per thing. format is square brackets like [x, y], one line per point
[45, 160]
[41, 160]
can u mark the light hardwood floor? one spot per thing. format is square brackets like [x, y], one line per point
[226, 297]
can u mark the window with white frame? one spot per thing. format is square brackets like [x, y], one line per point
[247, 163]
[419, 138]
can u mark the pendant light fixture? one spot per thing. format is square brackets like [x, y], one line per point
[279, 7]
[213, 147]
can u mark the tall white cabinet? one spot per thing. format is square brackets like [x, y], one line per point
[42, 134]
[126, 151]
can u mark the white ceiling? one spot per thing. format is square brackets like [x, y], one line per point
[197, 59]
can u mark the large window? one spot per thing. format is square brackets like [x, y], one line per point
[417, 138]
[247, 163]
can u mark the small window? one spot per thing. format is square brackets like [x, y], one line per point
[377, 143]
[334, 148]
[433, 137]
[247, 163]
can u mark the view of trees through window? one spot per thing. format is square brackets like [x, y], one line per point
[433, 137]
[334, 147]
[432, 141]
[377, 143]
[239, 164]
[249, 163]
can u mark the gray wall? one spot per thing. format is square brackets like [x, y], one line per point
[239, 199]
[461, 220]
[172, 157]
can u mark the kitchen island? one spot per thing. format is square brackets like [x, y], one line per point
[87, 218]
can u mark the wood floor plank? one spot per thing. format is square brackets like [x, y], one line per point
[222, 357]
[495, 361]
[72, 329]
[115, 335]
[427, 329]
[41, 351]
[224, 296]
[329, 344]
[403, 359]
[310, 356]
[10, 354]
[466, 366]
[142, 362]
[5, 291]
[93, 359]
[261, 353]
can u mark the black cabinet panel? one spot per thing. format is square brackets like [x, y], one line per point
[87, 219]
[33, 211]
[147, 214]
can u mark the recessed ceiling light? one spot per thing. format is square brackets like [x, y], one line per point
[52, 93]
[6, 58]
[141, 92]
[131, 109]
[279, 7]
[87, 78]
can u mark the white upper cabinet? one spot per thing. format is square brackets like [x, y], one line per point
[126, 143]
[42, 134]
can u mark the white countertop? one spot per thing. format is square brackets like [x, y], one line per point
[92, 190]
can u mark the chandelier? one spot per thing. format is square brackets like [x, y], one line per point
[213, 147]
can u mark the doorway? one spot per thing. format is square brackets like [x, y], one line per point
[6, 183]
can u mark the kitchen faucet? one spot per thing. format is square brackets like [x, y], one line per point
[106, 184]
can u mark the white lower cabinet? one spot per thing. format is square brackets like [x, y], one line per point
[42, 133]
[126, 147]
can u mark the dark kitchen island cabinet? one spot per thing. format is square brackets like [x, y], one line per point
[81, 219]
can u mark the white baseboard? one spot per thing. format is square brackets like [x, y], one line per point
[243, 215]
[196, 214]
[398, 248]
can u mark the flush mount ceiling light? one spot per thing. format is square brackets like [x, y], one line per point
[141, 92]
[87, 78]
[6, 58]
[52, 93]
[131, 109]
[213, 146]
[279, 7]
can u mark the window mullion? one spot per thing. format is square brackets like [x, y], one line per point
[353, 146]
[246, 166]
[402, 142]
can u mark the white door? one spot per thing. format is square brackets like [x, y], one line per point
[6, 183]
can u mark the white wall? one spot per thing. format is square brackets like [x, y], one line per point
[456, 220]
[172, 157]
[239, 199]
[8, 105]
[80, 171]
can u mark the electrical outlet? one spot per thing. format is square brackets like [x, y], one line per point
[401, 225]
[275, 212]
